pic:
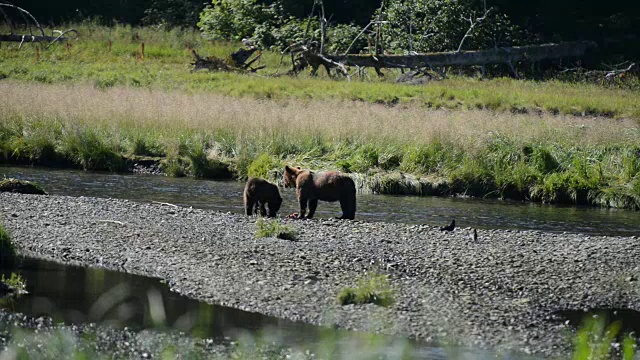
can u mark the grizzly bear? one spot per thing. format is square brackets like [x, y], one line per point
[325, 186]
[258, 193]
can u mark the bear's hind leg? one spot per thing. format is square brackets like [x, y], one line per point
[263, 210]
[303, 206]
[313, 205]
[348, 206]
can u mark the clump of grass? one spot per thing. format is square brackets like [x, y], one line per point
[371, 289]
[391, 184]
[201, 167]
[15, 282]
[7, 249]
[174, 166]
[89, 150]
[595, 339]
[263, 165]
[273, 228]
[145, 146]
[21, 186]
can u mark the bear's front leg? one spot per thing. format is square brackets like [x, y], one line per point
[302, 200]
[249, 207]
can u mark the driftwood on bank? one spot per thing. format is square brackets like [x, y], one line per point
[31, 38]
[238, 61]
[305, 56]
[504, 55]
[30, 21]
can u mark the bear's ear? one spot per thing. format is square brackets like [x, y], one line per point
[289, 170]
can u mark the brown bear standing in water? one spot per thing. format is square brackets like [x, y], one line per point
[325, 186]
[258, 193]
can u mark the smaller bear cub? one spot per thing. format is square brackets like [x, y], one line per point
[258, 193]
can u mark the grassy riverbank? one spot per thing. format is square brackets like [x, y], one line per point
[541, 157]
[107, 57]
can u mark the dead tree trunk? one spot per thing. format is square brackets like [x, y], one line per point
[481, 57]
[30, 38]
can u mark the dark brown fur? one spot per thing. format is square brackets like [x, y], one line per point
[326, 186]
[258, 193]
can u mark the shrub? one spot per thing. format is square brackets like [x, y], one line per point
[273, 228]
[424, 159]
[174, 166]
[440, 25]
[340, 36]
[389, 159]
[544, 161]
[365, 158]
[88, 150]
[204, 168]
[15, 282]
[262, 165]
[7, 249]
[371, 289]
[237, 19]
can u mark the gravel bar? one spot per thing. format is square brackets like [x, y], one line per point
[498, 292]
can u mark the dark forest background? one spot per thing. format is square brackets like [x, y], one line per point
[614, 25]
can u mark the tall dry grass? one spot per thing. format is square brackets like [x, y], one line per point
[587, 160]
[174, 112]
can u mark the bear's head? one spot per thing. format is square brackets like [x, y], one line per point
[290, 175]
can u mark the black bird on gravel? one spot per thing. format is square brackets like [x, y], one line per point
[449, 227]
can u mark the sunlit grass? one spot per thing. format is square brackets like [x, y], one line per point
[370, 289]
[167, 59]
[542, 157]
[274, 228]
[15, 281]
[597, 340]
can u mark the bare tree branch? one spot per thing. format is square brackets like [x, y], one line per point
[356, 38]
[472, 24]
[323, 27]
[22, 12]
[306, 32]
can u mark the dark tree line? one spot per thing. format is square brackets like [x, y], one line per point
[613, 24]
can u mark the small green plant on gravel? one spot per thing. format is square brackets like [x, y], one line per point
[273, 228]
[7, 249]
[15, 282]
[371, 289]
[595, 339]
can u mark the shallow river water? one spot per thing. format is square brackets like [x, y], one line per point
[79, 295]
[227, 196]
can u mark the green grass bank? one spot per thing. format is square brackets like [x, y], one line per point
[108, 57]
[389, 150]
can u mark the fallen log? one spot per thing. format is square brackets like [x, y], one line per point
[506, 55]
[30, 38]
[236, 62]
